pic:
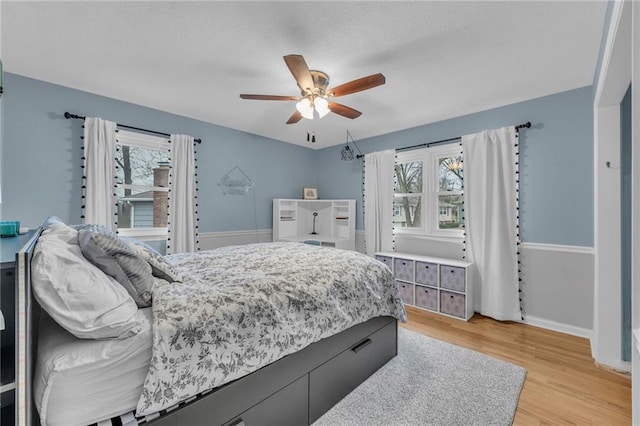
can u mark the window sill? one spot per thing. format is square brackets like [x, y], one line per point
[441, 238]
[147, 234]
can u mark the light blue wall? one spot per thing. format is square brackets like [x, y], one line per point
[42, 157]
[41, 161]
[556, 163]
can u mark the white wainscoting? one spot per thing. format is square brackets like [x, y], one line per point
[557, 287]
[557, 281]
[212, 240]
[360, 240]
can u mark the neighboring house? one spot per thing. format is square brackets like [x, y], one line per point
[146, 209]
[448, 212]
[136, 210]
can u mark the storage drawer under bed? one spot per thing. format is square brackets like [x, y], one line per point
[333, 380]
[286, 407]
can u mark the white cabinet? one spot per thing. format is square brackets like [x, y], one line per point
[334, 221]
[436, 284]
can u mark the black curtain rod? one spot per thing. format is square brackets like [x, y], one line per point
[443, 141]
[68, 115]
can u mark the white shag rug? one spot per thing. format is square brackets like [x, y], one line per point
[431, 382]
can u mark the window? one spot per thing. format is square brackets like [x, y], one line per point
[428, 197]
[142, 184]
[408, 197]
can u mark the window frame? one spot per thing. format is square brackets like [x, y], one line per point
[431, 191]
[143, 141]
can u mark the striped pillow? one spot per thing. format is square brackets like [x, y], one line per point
[115, 258]
[159, 266]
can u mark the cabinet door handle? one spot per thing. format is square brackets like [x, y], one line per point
[360, 346]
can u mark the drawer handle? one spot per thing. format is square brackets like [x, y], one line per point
[238, 422]
[451, 297]
[452, 271]
[360, 346]
[403, 263]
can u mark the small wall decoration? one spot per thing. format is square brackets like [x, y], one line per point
[309, 193]
[236, 182]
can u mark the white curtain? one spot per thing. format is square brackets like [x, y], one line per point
[182, 192]
[379, 171]
[490, 201]
[99, 172]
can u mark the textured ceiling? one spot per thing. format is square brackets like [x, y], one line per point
[440, 59]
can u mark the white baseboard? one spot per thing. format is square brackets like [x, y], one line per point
[557, 326]
[619, 366]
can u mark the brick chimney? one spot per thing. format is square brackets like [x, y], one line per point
[160, 199]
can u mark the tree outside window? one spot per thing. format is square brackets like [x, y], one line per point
[450, 198]
[408, 195]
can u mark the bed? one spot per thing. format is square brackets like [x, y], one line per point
[272, 333]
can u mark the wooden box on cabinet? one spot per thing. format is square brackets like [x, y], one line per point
[335, 222]
[435, 284]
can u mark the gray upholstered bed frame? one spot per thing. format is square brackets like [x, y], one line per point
[296, 390]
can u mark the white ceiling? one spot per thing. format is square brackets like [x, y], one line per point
[440, 59]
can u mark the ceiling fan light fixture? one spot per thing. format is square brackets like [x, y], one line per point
[322, 106]
[313, 90]
[305, 108]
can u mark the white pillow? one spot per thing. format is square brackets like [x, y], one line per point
[77, 294]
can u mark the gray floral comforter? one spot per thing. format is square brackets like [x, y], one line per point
[243, 307]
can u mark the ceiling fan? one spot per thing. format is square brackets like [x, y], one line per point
[314, 94]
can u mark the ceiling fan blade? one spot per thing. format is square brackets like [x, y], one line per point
[295, 118]
[270, 97]
[300, 71]
[358, 85]
[344, 110]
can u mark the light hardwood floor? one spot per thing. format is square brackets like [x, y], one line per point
[563, 384]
